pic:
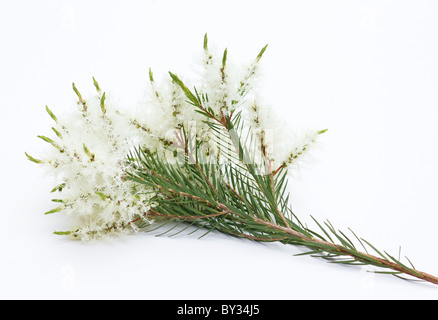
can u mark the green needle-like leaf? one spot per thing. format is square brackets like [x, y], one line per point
[58, 209]
[88, 153]
[224, 59]
[186, 91]
[96, 85]
[33, 159]
[259, 56]
[205, 42]
[51, 114]
[102, 103]
[151, 75]
[77, 92]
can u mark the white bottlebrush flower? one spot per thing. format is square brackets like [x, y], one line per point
[88, 160]
[291, 150]
[226, 86]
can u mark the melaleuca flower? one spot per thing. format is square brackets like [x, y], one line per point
[88, 159]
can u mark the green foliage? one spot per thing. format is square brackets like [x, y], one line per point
[242, 197]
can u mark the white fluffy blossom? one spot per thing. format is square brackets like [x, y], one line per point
[90, 147]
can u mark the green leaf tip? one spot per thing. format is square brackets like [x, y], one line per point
[59, 187]
[33, 159]
[51, 114]
[205, 42]
[96, 85]
[88, 153]
[151, 75]
[53, 143]
[55, 210]
[62, 233]
[259, 56]
[102, 102]
[186, 90]
[224, 58]
[77, 92]
[175, 78]
[101, 195]
[322, 131]
[59, 135]
[46, 139]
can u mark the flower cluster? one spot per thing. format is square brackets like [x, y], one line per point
[91, 144]
[88, 159]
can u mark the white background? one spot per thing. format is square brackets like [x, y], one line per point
[366, 70]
